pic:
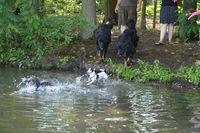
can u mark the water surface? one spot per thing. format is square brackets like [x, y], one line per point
[116, 107]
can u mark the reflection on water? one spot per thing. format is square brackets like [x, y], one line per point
[116, 107]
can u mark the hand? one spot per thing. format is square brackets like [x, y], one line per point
[116, 8]
[193, 14]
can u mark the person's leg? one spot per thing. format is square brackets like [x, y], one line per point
[122, 28]
[163, 32]
[170, 32]
[132, 13]
[124, 16]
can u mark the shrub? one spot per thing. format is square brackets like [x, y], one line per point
[188, 29]
[191, 74]
[144, 72]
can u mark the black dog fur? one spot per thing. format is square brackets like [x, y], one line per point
[34, 81]
[103, 38]
[127, 42]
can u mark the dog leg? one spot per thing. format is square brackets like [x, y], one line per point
[103, 56]
[125, 63]
[128, 61]
[88, 80]
[92, 81]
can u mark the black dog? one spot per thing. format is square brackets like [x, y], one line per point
[127, 42]
[103, 38]
[35, 82]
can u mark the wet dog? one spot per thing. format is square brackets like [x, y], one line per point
[127, 42]
[34, 82]
[94, 75]
[103, 38]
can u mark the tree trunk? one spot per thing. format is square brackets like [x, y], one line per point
[36, 6]
[143, 20]
[189, 4]
[154, 15]
[110, 9]
[89, 12]
[42, 8]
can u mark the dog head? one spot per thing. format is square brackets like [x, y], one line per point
[108, 22]
[90, 71]
[131, 24]
[121, 51]
[32, 81]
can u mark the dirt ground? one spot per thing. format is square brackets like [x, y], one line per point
[170, 56]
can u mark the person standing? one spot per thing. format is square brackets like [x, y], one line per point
[126, 9]
[168, 16]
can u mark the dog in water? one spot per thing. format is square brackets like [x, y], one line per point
[127, 42]
[103, 38]
[94, 75]
[34, 82]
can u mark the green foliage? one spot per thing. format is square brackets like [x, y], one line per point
[53, 31]
[11, 55]
[192, 74]
[66, 7]
[40, 52]
[63, 7]
[58, 30]
[29, 32]
[188, 29]
[8, 25]
[154, 71]
[65, 60]
[150, 10]
[16, 55]
[146, 72]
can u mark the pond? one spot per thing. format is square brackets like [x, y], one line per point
[113, 107]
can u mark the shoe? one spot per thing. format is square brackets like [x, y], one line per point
[170, 43]
[159, 43]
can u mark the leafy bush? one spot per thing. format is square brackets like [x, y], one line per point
[8, 22]
[154, 71]
[192, 74]
[11, 55]
[27, 30]
[63, 7]
[188, 29]
[144, 72]
[66, 7]
[15, 55]
[54, 31]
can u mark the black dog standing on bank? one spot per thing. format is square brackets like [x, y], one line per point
[103, 38]
[127, 42]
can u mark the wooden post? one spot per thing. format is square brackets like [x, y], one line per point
[154, 15]
[143, 20]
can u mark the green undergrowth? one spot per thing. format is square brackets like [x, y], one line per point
[156, 72]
